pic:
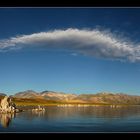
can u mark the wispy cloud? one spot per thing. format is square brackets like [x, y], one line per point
[74, 54]
[97, 43]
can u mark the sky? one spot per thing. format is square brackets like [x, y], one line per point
[71, 50]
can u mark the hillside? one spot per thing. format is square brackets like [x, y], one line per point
[31, 97]
[47, 97]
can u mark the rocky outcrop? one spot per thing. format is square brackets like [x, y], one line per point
[38, 109]
[7, 106]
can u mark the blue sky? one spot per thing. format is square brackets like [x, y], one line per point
[73, 50]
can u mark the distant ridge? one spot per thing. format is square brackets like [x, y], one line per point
[2, 94]
[47, 95]
[98, 98]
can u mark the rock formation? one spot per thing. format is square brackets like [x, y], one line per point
[7, 106]
[39, 109]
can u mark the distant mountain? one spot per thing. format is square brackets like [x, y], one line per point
[99, 98]
[27, 94]
[109, 98]
[2, 94]
[48, 95]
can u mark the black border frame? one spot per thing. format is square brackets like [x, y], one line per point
[66, 3]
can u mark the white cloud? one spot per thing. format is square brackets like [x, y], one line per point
[96, 43]
[74, 54]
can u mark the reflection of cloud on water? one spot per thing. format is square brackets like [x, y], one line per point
[5, 119]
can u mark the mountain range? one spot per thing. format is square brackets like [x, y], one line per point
[60, 97]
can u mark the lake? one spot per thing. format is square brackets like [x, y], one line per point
[74, 119]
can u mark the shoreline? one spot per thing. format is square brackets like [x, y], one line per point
[76, 105]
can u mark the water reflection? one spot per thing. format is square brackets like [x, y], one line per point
[38, 113]
[6, 118]
[54, 114]
[106, 112]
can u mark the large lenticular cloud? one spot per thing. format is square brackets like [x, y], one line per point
[95, 43]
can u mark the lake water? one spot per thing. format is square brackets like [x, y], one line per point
[74, 119]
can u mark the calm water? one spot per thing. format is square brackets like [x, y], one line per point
[74, 119]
